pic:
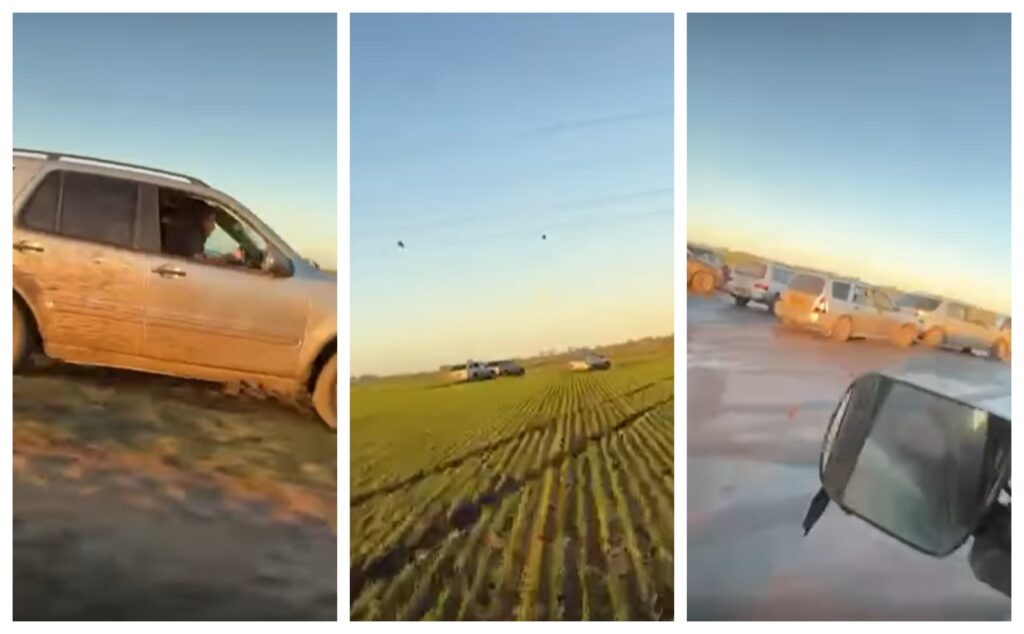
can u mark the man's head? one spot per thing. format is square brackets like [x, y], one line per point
[208, 218]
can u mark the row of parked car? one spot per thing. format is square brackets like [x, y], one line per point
[844, 309]
[483, 371]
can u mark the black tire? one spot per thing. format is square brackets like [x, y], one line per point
[22, 342]
[1001, 350]
[325, 393]
[741, 301]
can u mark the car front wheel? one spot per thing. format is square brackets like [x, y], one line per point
[1001, 350]
[325, 394]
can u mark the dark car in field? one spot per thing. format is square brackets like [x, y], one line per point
[507, 368]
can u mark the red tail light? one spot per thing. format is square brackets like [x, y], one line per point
[761, 285]
[820, 305]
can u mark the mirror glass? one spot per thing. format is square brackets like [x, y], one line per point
[915, 464]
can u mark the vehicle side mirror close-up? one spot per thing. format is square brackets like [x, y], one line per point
[277, 264]
[920, 466]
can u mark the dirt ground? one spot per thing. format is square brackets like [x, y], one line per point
[138, 497]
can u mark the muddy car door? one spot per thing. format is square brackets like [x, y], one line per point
[76, 262]
[959, 332]
[210, 311]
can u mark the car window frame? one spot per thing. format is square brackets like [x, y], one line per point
[33, 187]
[154, 246]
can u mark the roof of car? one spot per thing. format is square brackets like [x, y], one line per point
[980, 383]
[141, 172]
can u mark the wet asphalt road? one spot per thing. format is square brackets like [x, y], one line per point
[758, 401]
[139, 497]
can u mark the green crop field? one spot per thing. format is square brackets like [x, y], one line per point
[547, 496]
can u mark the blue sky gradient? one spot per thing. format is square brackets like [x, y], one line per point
[248, 103]
[872, 145]
[474, 135]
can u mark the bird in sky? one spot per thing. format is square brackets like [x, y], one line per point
[401, 245]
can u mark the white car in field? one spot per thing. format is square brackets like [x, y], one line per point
[590, 362]
[474, 371]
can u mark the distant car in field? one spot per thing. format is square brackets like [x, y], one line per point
[590, 362]
[703, 271]
[758, 281]
[950, 323]
[473, 371]
[507, 368]
[844, 309]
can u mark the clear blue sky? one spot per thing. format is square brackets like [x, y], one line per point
[876, 145]
[473, 135]
[248, 103]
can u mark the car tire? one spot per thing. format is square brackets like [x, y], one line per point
[934, 338]
[1001, 350]
[904, 336]
[325, 393]
[741, 301]
[842, 330]
[22, 342]
[703, 283]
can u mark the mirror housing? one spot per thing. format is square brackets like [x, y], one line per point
[277, 264]
[918, 465]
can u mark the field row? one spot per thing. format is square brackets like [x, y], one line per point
[565, 511]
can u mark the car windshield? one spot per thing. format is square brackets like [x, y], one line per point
[752, 269]
[811, 284]
[918, 302]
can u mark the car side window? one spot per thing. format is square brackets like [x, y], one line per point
[99, 209]
[840, 291]
[957, 311]
[196, 228]
[861, 296]
[40, 212]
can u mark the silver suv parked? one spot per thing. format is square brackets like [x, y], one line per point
[953, 324]
[134, 267]
[758, 281]
[844, 309]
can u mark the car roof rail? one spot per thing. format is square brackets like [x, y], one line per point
[91, 160]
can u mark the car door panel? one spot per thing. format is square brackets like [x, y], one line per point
[86, 295]
[222, 317]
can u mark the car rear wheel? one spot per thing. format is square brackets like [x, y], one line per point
[703, 282]
[325, 394]
[842, 329]
[22, 343]
[934, 338]
[741, 301]
[1001, 350]
[904, 336]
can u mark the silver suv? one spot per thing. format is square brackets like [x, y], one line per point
[139, 268]
[844, 309]
[758, 281]
[949, 323]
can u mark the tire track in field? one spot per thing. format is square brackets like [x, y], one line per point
[393, 560]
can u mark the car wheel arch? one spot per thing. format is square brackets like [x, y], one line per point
[30, 317]
[329, 349]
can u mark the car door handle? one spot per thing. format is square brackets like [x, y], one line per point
[23, 246]
[169, 271]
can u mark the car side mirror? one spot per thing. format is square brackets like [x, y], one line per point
[277, 264]
[920, 466]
